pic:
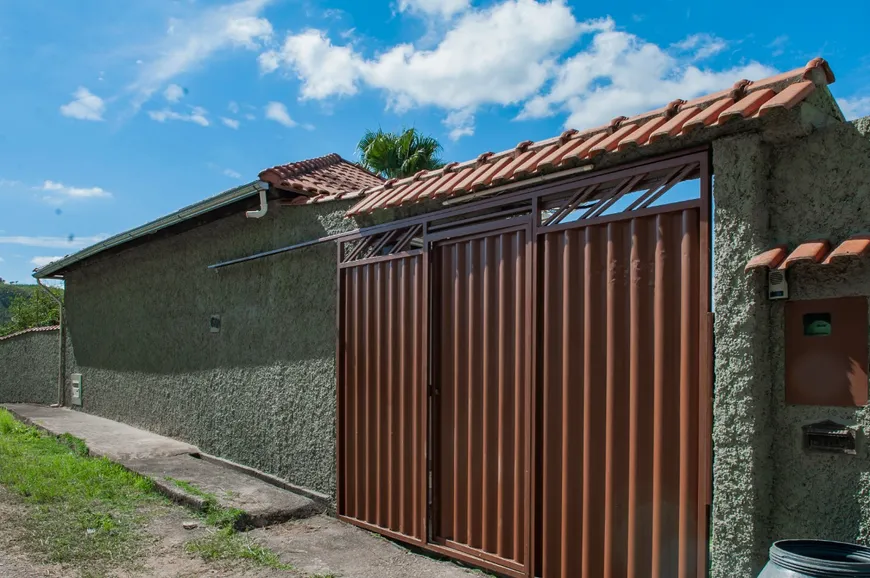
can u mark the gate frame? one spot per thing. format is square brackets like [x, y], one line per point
[484, 223]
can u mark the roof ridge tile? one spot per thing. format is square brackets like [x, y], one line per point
[744, 100]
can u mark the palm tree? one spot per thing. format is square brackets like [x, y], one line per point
[398, 155]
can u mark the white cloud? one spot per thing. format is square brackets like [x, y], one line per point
[9, 183]
[621, 74]
[324, 69]
[701, 46]
[442, 8]
[84, 106]
[230, 122]
[52, 242]
[503, 54]
[196, 115]
[854, 107]
[232, 174]
[2, 260]
[174, 93]
[515, 52]
[278, 112]
[233, 107]
[60, 190]
[190, 42]
[249, 116]
[40, 262]
[460, 123]
[269, 61]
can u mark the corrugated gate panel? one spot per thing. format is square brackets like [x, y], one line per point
[382, 395]
[481, 398]
[618, 460]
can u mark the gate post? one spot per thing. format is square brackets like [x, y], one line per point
[742, 469]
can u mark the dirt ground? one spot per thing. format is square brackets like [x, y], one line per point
[317, 547]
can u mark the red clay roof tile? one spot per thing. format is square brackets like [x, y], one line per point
[745, 99]
[447, 184]
[508, 170]
[812, 252]
[31, 330]
[611, 142]
[809, 252]
[557, 155]
[746, 107]
[330, 175]
[854, 246]
[789, 97]
[770, 258]
[469, 177]
[674, 126]
[641, 135]
[531, 163]
[584, 148]
[486, 177]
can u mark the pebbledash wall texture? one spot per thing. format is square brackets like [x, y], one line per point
[261, 391]
[29, 366]
[766, 487]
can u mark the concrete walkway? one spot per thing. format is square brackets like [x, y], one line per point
[161, 458]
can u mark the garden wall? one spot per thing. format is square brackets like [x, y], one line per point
[29, 366]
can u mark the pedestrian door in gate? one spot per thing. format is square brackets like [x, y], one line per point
[523, 383]
[481, 396]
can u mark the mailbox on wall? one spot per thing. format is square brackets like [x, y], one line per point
[826, 352]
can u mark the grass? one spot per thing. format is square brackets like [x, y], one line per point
[215, 514]
[85, 511]
[227, 544]
[88, 512]
[224, 542]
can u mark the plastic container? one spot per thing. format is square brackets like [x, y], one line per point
[817, 559]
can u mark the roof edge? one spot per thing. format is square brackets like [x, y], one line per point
[179, 216]
[30, 330]
[277, 175]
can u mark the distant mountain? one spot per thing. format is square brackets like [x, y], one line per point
[8, 291]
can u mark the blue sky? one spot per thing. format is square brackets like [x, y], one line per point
[115, 113]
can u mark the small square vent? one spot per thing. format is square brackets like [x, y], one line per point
[214, 324]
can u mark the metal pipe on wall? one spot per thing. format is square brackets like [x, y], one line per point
[283, 250]
[61, 345]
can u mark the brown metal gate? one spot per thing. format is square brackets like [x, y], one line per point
[482, 396]
[382, 403]
[619, 399]
[523, 383]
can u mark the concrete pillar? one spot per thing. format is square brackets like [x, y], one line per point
[742, 469]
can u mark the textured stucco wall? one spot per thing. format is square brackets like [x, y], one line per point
[262, 391]
[29, 368]
[768, 191]
[820, 187]
[741, 438]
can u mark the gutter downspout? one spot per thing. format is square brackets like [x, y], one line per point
[264, 207]
[61, 377]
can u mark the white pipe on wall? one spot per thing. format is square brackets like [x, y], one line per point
[264, 206]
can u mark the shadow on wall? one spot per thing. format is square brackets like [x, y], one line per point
[154, 308]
